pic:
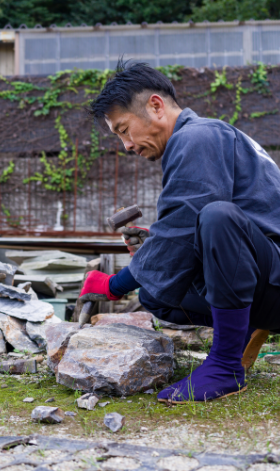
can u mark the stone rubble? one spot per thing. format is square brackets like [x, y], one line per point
[28, 399]
[114, 421]
[103, 404]
[87, 401]
[194, 338]
[49, 415]
[273, 360]
[18, 366]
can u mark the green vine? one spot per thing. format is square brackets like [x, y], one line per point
[60, 176]
[171, 71]
[11, 221]
[7, 172]
[220, 81]
[260, 114]
[259, 79]
[237, 102]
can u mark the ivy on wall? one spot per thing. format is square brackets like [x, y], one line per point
[40, 100]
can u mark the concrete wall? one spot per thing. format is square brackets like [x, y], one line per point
[6, 59]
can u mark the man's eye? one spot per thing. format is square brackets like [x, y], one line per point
[124, 131]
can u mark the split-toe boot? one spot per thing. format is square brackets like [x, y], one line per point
[222, 373]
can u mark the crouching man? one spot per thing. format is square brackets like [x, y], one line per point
[211, 258]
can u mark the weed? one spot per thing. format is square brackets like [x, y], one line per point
[259, 79]
[220, 81]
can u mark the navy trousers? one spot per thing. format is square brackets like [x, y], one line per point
[234, 260]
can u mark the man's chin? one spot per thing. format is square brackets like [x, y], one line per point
[153, 158]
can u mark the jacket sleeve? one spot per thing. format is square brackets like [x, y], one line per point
[198, 168]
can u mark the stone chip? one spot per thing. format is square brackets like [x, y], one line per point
[114, 421]
[50, 415]
[138, 319]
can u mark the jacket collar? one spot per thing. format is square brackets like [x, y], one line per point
[186, 115]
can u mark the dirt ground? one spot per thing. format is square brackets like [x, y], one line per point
[247, 423]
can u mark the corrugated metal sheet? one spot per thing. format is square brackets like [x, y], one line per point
[205, 44]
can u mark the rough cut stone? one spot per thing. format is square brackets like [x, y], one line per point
[54, 264]
[3, 347]
[40, 283]
[26, 286]
[138, 319]
[50, 415]
[114, 421]
[28, 399]
[57, 340]
[14, 331]
[116, 359]
[273, 360]
[191, 356]
[70, 413]
[193, 338]
[34, 311]
[14, 293]
[87, 401]
[169, 325]
[9, 270]
[19, 256]
[18, 366]
[37, 330]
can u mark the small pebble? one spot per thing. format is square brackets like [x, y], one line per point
[70, 413]
[144, 429]
[39, 358]
[149, 391]
[28, 399]
[103, 404]
[114, 421]
[51, 399]
[4, 386]
[123, 397]
[129, 401]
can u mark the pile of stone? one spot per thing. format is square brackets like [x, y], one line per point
[52, 273]
[23, 317]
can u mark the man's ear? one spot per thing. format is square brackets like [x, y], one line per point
[156, 105]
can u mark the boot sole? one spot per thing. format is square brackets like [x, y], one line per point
[252, 350]
[167, 401]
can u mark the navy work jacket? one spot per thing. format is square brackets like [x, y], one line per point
[205, 160]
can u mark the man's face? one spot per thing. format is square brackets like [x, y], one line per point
[145, 134]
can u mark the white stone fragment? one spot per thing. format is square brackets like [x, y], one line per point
[28, 399]
[114, 421]
[87, 401]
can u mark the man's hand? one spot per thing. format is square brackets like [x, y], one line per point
[98, 283]
[134, 238]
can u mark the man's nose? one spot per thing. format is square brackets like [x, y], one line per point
[128, 144]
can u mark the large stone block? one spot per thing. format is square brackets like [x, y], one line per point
[58, 337]
[116, 359]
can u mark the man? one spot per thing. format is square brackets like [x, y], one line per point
[208, 259]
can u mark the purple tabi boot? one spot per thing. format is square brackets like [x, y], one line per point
[221, 374]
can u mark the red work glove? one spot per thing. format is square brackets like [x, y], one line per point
[98, 283]
[134, 237]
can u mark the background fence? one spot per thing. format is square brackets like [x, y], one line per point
[46, 51]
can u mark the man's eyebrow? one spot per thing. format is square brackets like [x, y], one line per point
[116, 127]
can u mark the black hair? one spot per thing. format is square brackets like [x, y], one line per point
[130, 79]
